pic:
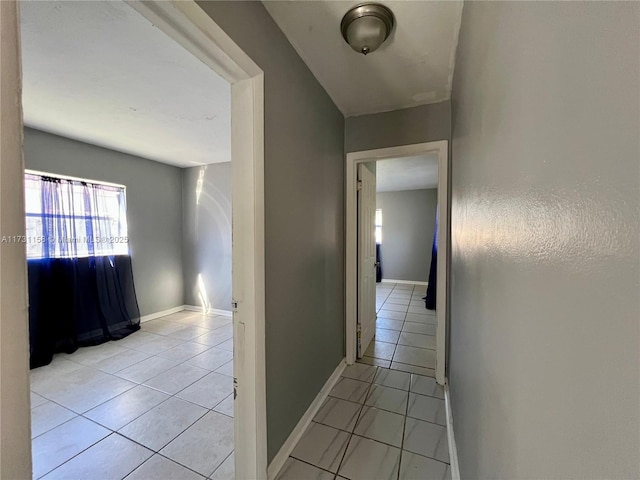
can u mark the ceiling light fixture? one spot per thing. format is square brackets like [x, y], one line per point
[366, 26]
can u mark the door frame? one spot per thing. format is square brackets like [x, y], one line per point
[191, 27]
[441, 147]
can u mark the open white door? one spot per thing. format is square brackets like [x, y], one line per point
[366, 258]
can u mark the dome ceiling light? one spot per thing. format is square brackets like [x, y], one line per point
[366, 26]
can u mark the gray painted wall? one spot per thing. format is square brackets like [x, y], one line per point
[408, 224]
[545, 310]
[154, 208]
[304, 219]
[206, 200]
[425, 123]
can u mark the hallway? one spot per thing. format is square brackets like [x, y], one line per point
[405, 334]
[376, 423]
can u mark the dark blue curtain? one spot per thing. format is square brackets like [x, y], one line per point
[81, 288]
[75, 302]
[430, 299]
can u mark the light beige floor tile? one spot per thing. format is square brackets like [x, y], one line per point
[429, 409]
[296, 470]
[226, 471]
[417, 340]
[381, 350]
[112, 458]
[226, 406]
[380, 425]
[212, 359]
[124, 408]
[163, 423]
[321, 446]
[387, 398]
[209, 391]
[184, 351]
[203, 446]
[426, 386]
[58, 445]
[420, 357]
[147, 369]
[378, 362]
[159, 467]
[366, 459]
[349, 389]
[427, 439]
[391, 314]
[393, 379]
[421, 328]
[337, 413]
[47, 416]
[403, 367]
[389, 324]
[417, 467]
[359, 371]
[226, 369]
[389, 336]
[177, 378]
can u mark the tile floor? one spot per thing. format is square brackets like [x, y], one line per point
[376, 424]
[155, 405]
[405, 330]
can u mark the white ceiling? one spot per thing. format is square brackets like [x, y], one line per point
[101, 73]
[413, 67]
[407, 173]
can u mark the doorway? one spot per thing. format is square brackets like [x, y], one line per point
[192, 28]
[353, 331]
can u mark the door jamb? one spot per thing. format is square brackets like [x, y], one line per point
[194, 29]
[351, 227]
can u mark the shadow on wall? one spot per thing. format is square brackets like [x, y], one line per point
[206, 192]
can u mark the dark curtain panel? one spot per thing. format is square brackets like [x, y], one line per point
[378, 264]
[75, 302]
[430, 299]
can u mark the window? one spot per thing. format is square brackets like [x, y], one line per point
[379, 226]
[68, 217]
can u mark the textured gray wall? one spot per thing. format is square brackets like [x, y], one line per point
[408, 223]
[425, 123]
[304, 219]
[544, 369]
[154, 208]
[206, 240]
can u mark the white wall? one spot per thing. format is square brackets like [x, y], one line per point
[206, 235]
[544, 359]
[408, 224]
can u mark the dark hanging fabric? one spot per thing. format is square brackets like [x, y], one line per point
[378, 264]
[430, 299]
[76, 302]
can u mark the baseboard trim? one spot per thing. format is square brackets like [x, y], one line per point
[281, 457]
[406, 282]
[453, 450]
[210, 311]
[153, 316]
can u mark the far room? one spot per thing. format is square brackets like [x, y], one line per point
[129, 215]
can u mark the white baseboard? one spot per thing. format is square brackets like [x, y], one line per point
[453, 450]
[406, 282]
[153, 316]
[210, 311]
[281, 457]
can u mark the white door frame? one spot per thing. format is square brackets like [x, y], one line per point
[351, 287]
[190, 26]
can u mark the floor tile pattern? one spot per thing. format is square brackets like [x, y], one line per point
[376, 424]
[155, 405]
[405, 330]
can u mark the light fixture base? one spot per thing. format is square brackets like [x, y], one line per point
[375, 10]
